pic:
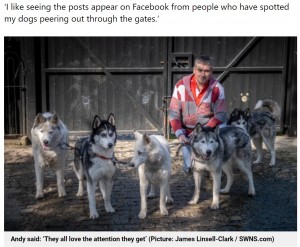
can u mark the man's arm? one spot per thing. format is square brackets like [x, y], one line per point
[175, 111]
[219, 107]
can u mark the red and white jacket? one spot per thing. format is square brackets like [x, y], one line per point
[184, 114]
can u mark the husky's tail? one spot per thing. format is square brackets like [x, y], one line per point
[271, 105]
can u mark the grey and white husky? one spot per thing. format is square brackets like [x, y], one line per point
[94, 161]
[153, 159]
[49, 136]
[216, 150]
[260, 125]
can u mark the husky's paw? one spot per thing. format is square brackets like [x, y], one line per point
[224, 191]
[142, 215]
[272, 163]
[79, 195]
[164, 211]
[193, 201]
[169, 200]
[94, 215]
[151, 196]
[214, 206]
[256, 162]
[110, 209]
[39, 196]
[62, 193]
[251, 193]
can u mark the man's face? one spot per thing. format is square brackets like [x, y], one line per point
[203, 72]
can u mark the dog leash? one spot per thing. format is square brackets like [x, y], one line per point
[69, 147]
[113, 159]
[174, 144]
[180, 145]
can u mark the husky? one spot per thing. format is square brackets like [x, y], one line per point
[94, 162]
[49, 137]
[260, 125]
[215, 150]
[152, 158]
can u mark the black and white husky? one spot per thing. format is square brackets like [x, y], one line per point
[260, 125]
[94, 161]
[49, 137]
[216, 150]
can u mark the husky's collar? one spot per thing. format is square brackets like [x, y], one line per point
[103, 157]
[113, 159]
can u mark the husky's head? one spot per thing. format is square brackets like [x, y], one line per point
[205, 142]
[239, 118]
[141, 149]
[104, 132]
[46, 127]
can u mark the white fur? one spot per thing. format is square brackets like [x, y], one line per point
[258, 104]
[49, 136]
[153, 160]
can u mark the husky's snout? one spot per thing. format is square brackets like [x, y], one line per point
[45, 144]
[207, 154]
[134, 163]
[110, 145]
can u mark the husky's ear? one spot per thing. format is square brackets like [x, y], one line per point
[111, 119]
[137, 134]
[196, 131]
[54, 119]
[216, 129]
[146, 139]
[235, 112]
[96, 122]
[39, 119]
[134, 133]
[198, 128]
[247, 112]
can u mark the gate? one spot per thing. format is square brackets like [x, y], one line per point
[14, 90]
[87, 76]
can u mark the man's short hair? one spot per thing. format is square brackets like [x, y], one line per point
[205, 60]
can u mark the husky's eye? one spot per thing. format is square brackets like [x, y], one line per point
[103, 135]
[202, 141]
[212, 141]
[111, 134]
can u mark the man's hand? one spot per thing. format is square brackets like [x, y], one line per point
[183, 139]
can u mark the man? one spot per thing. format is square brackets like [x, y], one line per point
[197, 98]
